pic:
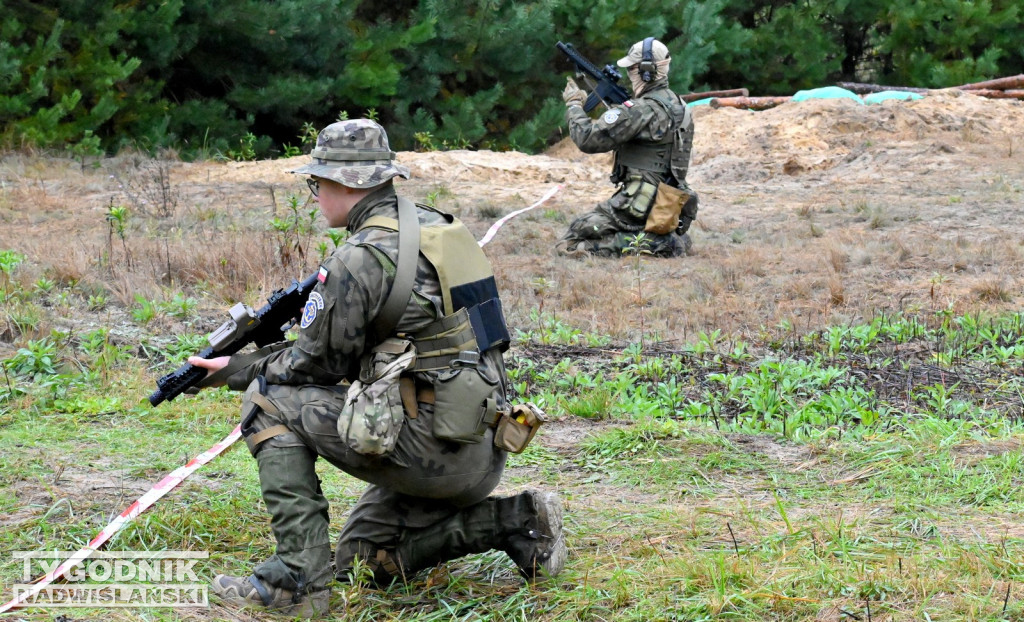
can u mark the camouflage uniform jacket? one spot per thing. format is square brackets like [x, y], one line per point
[359, 277]
[646, 119]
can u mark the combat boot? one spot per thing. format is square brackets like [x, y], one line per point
[573, 249]
[251, 592]
[535, 541]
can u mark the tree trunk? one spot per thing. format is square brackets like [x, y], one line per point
[1010, 82]
[753, 103]
[692, 97]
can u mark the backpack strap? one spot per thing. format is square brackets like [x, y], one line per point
[401, 288]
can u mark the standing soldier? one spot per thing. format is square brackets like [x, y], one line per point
[396, 378]
[651, 136]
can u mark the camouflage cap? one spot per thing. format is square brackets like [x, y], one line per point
[636, 53]
[354, 153]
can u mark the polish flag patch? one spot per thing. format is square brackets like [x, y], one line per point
[628, 103]
[322, 275]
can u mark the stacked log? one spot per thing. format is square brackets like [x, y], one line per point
[999, 84]
[998, 94]
[692, 97]
[1010, 87]
[861, 88]
[752, 103]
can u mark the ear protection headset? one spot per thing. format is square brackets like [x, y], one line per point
[646, 67]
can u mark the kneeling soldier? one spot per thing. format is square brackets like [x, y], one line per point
[396, 378]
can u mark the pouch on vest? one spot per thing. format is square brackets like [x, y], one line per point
[516, 429]
[464, 404]
[668, 204]
[640, 196]
[373, 415]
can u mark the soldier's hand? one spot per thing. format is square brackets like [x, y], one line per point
[573, 95]
[213, 365]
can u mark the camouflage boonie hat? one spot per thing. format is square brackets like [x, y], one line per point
[354, 153]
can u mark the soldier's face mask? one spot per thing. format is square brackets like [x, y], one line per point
[635, 80]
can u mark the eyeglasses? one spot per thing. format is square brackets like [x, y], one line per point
[314, 186]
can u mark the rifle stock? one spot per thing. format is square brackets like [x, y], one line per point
[606, 88]
[264, 326]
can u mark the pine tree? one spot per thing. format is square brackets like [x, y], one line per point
[949, 42]
[65, 71]
[776, 47]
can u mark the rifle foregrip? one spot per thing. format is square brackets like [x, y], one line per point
[581, 63]
[174, 384]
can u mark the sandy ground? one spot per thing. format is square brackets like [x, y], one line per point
[812, 213]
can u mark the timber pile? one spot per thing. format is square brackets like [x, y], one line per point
[1011, 87]
[692, 97]
[753, 103]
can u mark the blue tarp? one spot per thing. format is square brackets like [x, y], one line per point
[827, 92]
[701, 102]
[877, 98]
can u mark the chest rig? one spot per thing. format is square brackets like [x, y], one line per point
[671, 155]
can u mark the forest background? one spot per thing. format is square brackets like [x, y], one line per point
[247, 79]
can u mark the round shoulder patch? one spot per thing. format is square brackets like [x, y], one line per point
[314, 304]
[611, 116]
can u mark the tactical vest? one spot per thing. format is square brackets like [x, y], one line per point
[461, 350]
[670, 155]
[468, 289]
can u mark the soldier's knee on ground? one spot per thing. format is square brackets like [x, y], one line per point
[356, 559]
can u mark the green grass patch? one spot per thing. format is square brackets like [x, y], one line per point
[871, 467]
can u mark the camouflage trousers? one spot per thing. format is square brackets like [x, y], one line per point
[427, 500]
[609, 230]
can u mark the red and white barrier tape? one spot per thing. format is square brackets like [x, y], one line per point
[161, 488]
[177, 476]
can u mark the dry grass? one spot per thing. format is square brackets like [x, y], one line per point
[867, 228]
[993, 289]
[838, 260]
[837, 292]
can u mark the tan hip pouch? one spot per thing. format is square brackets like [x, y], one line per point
[664, 215]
